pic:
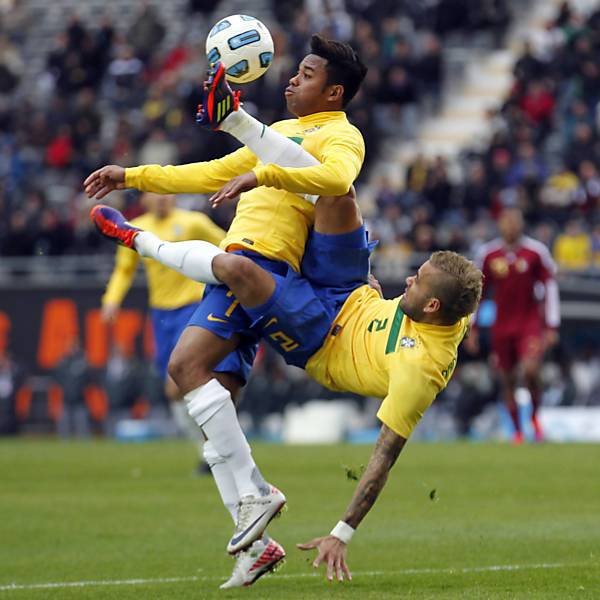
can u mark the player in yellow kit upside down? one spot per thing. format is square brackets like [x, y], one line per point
[172, 298]
[403, 350]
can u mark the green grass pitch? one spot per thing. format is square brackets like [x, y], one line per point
[505, 522]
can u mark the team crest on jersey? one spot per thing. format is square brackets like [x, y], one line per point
[407, 342]
[499, 266]
[522, 265]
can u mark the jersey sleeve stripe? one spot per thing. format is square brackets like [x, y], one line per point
[394, 331]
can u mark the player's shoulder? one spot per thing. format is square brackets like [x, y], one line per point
[495, 246]
[533, 245]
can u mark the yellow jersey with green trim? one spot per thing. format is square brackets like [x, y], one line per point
[271, 219]
[167, 289]
[374, 349]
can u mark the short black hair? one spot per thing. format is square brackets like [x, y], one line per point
[344, 67]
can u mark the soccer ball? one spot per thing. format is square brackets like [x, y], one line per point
[243, 44]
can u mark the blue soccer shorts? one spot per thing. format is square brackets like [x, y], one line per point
[299, 314]
[168, 325]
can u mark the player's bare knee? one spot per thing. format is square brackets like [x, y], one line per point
[186, 370]
[531, 371]
[233, 270]
[172, 392]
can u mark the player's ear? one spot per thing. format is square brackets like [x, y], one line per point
[432, 305]
[336, 93]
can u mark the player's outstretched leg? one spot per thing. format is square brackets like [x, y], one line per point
[192, 258]
[261, 557]
[219, 99]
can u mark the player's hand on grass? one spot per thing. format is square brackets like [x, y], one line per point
[104, 180]
[233, 188]
[332, 552]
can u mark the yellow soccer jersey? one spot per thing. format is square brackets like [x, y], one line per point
[376, 350]
[167, 288]
[271, 219]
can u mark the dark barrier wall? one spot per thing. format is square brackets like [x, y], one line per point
[38, 326]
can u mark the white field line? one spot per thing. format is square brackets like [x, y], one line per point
[450, 571]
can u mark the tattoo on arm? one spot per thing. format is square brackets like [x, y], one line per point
[386, 451]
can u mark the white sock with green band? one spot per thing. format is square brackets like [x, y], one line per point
[191, 258]
[267, 144]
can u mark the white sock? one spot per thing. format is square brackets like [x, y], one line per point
[267, 144]
[188, 426]
[192, 258]
[212, 408]
[223, 478]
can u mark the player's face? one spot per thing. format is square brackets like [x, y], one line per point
[308, 91]
[417, 296]
[159, 205]
[511, 225]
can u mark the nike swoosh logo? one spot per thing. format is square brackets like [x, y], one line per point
[236, 539]
[216, 319]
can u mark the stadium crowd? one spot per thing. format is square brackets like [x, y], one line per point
[110, 93]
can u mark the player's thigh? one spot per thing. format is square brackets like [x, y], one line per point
[504, 353]
[530, 351]
[339, 214]
[338, 261]
[297, 321]
[197, 353]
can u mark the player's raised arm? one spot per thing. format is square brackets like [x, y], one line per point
[193, 178]
[332, 548]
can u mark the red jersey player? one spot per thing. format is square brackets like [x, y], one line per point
[520, 273]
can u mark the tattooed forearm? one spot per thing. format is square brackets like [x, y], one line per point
[387, 449]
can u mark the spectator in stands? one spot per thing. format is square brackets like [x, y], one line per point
[429, 72]
[583, 146]
[147, 32]
[125, 72]
[573, 247]
[54, 236]
[11, 65]
[438, 189]
[537, 103]
[528, 169]
[18, 240]
[528, 66]
[588, 193]
[475, 193]
[158, 149]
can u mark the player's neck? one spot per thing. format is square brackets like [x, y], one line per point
[513, 244]
[321, 110]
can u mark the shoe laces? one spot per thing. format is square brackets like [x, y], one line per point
[244, 514]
